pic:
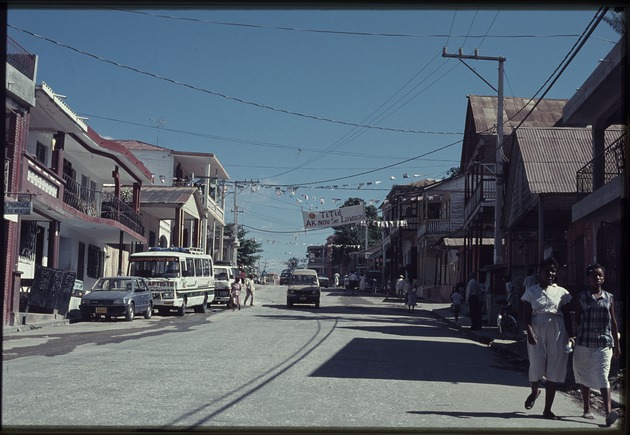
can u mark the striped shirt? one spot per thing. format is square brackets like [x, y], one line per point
[594, 330]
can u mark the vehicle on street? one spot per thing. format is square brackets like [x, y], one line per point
[117, 296]
[224, 274]
[324, 281]
[284, 277]
[179, 278]
[303, 288]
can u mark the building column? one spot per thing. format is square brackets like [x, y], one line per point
[54, 228]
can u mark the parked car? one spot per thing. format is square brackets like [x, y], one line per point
[324, 281]
[303, 288]
[284, 277]
[373, 280]
[117, 296]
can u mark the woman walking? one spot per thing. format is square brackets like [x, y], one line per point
[546, 315]
[596, 342]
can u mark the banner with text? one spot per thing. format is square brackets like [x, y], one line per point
[331, 218]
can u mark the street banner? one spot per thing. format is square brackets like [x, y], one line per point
[331, 218]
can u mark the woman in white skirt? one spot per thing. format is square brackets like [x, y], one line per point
[596, 342]
[546, 315]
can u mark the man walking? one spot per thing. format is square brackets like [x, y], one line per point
[473, 299]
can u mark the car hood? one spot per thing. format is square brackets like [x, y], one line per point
[105, 295]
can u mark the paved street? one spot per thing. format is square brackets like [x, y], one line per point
[355, 363]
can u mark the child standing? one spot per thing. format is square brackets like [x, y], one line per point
[411, 298]
[456, 299]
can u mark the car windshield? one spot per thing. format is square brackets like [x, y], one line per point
[112, 284]
[149, 267]
[303, 279]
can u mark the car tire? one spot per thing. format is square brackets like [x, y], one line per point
[149, 312]
[182, 310]
[130, 313]
[289, 304]
[85, 316]
[317, 304]
[201, 309]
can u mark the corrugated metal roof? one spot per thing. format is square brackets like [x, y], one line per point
[166, 195]
[547, 113]
[552, 156]
[139, 145]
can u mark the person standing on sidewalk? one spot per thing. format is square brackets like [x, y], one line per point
[596, 341]
[546, 315]
[249, 289]
[411, 298]
[473, 299]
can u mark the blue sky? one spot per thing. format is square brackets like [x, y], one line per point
[335, 102]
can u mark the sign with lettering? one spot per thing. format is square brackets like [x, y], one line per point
[331, 218]
[18, 207]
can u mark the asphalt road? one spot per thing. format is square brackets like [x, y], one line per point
[356, 363]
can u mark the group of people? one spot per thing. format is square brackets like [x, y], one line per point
[235, 291]
[552, 335]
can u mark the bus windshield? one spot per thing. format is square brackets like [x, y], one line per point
[152, 267]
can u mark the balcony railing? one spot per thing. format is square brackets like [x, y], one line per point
[484, 191]
[611, 160]
[434, 227]
[20, 59]
[102, 204]
[7, 173]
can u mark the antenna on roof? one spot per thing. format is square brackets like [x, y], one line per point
[159, 123]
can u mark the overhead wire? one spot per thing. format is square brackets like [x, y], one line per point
[225, 96]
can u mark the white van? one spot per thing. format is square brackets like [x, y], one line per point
[303, 288]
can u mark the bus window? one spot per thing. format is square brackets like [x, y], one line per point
[198, 267]
[190, 267]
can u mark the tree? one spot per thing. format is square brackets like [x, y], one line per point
[453, 172]
[293, 263]
[351, 238]
[248, 248]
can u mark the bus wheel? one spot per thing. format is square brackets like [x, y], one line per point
[182, 310]
[203, 307]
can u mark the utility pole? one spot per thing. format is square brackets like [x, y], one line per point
[236, 241]
[498, 171]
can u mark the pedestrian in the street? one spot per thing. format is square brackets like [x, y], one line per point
[400, 286]
[362, 283]
[249, 289]
[336, 279]
[354, 281]
[546, 315]
[411, 297]
[456, 300]
[473, 299]
[596, 341]
[236, 293]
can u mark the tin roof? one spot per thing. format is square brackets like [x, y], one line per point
[166, 195]
[552, 156]
[485, 109]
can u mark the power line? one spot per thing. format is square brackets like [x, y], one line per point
[221, 95]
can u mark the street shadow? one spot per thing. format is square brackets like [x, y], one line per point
[506, 415]
[428, 360]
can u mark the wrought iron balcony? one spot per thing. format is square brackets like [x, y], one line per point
[20, 59]
[611, 162]
[100, 204]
